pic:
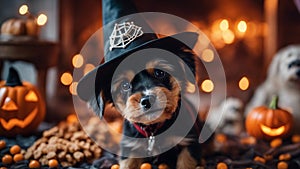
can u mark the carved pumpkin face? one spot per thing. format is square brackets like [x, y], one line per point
[269, 123]
[21, 109]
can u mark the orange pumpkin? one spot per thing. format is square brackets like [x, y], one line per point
[269, 122]
[14, 27]
[22, 108]
[18, 27]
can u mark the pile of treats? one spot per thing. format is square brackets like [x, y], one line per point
[68, 144]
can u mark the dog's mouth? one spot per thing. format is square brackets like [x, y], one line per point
[150, 112]
[149, 117]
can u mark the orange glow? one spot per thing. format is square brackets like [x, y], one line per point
[73, 88]
[66, 78]
[272, 131]
[9, 105]
[88, 67]
[42, 19]
[207, 86]
[244, 83]
[77, 61]
[23, 10]
[72, 118]
[242, 26]
[228, 36]
[207, 55]
[224, 25]
[31, 97]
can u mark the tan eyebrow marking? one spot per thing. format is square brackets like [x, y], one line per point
[159, 64]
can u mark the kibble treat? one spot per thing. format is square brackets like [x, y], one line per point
[2, 144]
[67, 143]
[7, 159]
[34, 164]
[15, 149]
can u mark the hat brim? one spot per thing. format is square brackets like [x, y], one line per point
[100, 77]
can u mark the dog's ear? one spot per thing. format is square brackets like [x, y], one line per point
[190, 61]
[98, 103]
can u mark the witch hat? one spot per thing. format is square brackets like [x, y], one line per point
[124, 34]
[13, 78]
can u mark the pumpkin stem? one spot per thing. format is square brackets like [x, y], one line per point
[13, 78]
[274, 103]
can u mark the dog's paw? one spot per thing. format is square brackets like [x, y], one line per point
[185, 160]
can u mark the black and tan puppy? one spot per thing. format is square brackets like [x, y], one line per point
[160, 125]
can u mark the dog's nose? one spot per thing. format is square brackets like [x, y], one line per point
[147, 101]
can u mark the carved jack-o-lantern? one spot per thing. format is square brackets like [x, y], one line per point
[22, 108]
[269, 123]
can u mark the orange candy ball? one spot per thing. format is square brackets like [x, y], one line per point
[53, 163]
[18, 157]
[15, 149]
[34, 164]
[146, 166]
[163, 166]
[296, 138]
[7, 159]
[276, 142]
[115, 166]
[222, 165]
[282, 165]
[2, 144]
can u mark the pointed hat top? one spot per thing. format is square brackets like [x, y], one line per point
[13, 78]
[115, 9]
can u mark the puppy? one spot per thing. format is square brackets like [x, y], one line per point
[283, 79]
[151, 101]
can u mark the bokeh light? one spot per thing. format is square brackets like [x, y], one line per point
[207, 55]
[42, 19]
[242, 26]
[190, 87]
[23, 9]
[224, 25]
[66, 78]
[73, 88]
[87, 68]
[207, 86]
[228, 36]
[77, 61]
[244, 83]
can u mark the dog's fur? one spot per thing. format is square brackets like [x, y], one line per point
[283, 80]
[129, 90]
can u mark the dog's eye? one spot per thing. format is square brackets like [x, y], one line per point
[126, 86]
[159, 73]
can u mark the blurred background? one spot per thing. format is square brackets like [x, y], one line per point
[246, 35]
